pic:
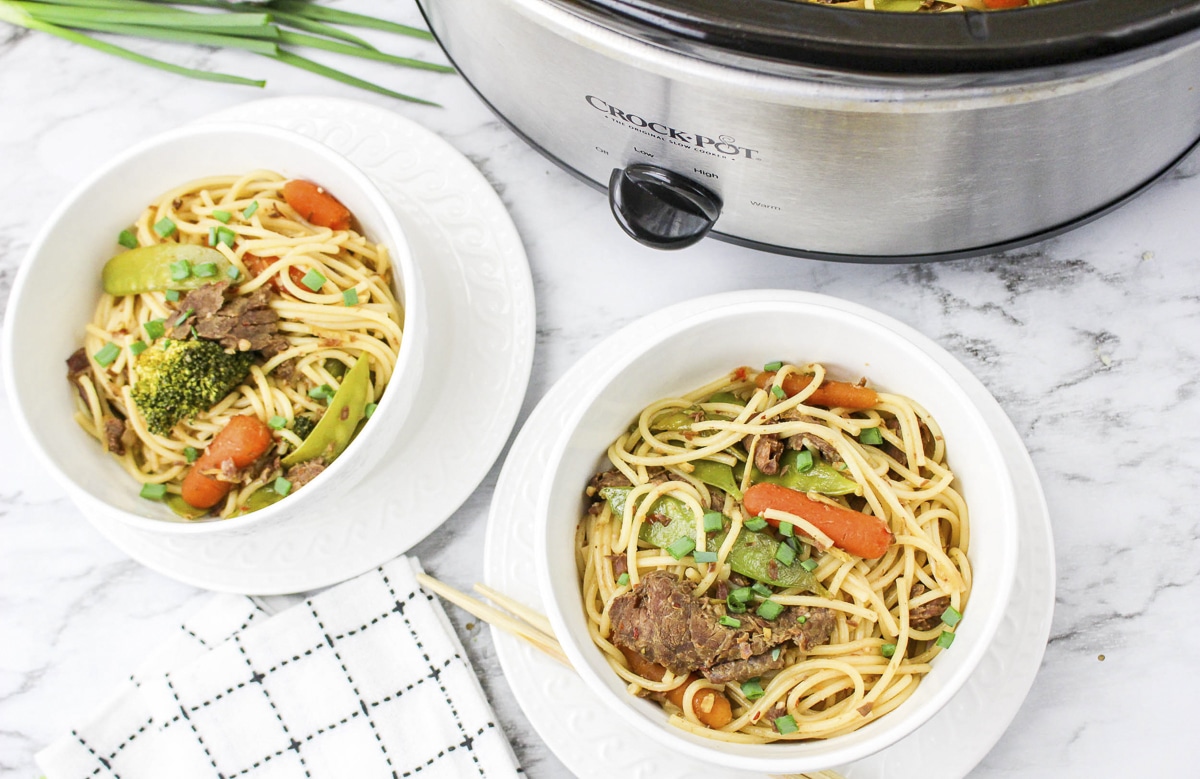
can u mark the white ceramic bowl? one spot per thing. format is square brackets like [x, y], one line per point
[700, 348]
[58, 284]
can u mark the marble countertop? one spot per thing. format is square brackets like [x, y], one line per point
[1089, 341]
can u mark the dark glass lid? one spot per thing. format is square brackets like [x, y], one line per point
[875, 41]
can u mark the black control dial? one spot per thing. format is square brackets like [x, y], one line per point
[660, 208]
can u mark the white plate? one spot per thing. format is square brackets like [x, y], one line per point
[481, 323]
[591, 742]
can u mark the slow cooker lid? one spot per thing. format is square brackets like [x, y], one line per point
[970, 42]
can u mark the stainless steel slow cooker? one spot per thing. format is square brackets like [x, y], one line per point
[824, 132]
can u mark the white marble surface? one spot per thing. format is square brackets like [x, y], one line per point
[1091, 343]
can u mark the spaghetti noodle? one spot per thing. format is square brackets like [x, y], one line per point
[301, 303]
[775, 555]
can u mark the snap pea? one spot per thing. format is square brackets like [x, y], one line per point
[259, 499]
[726, 397]
[752, 554]
[681, 419]
[182, 508]
[822, 477]
[336, 428]
[148, 268]
[718, 475]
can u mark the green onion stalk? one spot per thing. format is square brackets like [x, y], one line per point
[274, 29]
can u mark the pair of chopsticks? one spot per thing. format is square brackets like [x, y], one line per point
[525, 623]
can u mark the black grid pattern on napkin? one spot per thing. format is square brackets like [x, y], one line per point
[357, 703]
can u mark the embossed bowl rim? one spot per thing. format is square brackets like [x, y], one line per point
[756, 328]
[45, 319]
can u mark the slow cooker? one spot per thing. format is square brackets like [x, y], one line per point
[841, 134]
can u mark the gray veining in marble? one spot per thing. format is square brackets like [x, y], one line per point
[1090, 342]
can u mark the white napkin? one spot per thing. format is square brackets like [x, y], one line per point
[366, 679]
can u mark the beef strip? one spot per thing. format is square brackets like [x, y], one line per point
[814, 443]
[927, 615]
[614, 478]
[895, 452]
[741, 670]
[114, 432]
[620, 564]
[662, 621]
[242, 322]
[302, 473]
[767, 451]
[77, 366]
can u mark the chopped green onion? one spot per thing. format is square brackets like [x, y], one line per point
[769, 609]
[681, 547]
[323, 392]
[226, 236]
[778, 392]
[887, 650]
[730, 622]
[164, 227]
[153, 491]
[369, 409]
[753, 689]
[776, 652]
[172, 295]
[205, 269]
[180, 270]
[734, 606]
[787, 530]
[714, 522]
[804, 461]
[127, 239]
[785, 554]
[802, 618]
[184, 317]
[212, 235]
[870, 436]
[137, 347]
[755, 524]
[282, 486]
[705, 557]
[951, 616]
[350, 297]
[945, 639]
[107, 354]
[249, 210]
[773, 366]
[623, 580]
[809, 564]
[190, 453]
[277, 422]
[233, 273]
[786, 724]
[313, 280]
[155, 328]
[741, 594]
[761, 589]
[222, 216]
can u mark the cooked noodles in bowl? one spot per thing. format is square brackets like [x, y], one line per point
[776, 555]
[246, 332]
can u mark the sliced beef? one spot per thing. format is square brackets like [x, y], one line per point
[114, 432]
[77, 366]
[614, 478]
[662, 621]
[767, 451]
[620, 564]
[242, 322]
[302, 473]
[895, 452]
[814, 443]
[927, 615]
[741, 670]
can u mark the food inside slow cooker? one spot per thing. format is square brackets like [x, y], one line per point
[932, 5]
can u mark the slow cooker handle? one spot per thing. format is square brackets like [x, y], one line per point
[660, 208]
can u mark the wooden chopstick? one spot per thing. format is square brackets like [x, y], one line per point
[513, 622]
[525, 623]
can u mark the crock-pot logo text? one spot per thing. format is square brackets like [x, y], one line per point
[722, 145]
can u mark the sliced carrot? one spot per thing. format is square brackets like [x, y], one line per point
[317, 206]
[711, 706]
[840, 394]
[243, 440]
[859, 534]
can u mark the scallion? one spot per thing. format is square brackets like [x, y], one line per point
[714, 522]
[172, 295]
[802, 618]
[282, 486]
[190, 453]
[204, 269]
[730, 622]
[369, 409]
[787, 529]
[809, 564]
[180, 270]
[681, 547]
[705, 557]
[323, 392]
[155, 328]
[277, 422]
[734, 606]
[804, 461]
[870, 436]
[226, 236]
[164, 227]
[249, 210]
[313, 280]
[212, 235]
[762, 590]
[769, 609]
[778, 392]
[755, 524]
[741, 594]
[776, 652]
[222, 216]
[887, 650]
[350, 297]
[107, 354]
[623, 580]
[137, 347]
[945, 639]
[233, 273]
[753, 689]
[786, 724]
[951, 616]
[773, 366]
[785, 554]
[127, 239]
[153, 491]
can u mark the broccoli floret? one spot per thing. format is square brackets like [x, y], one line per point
[177, 379]
[303, 425]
